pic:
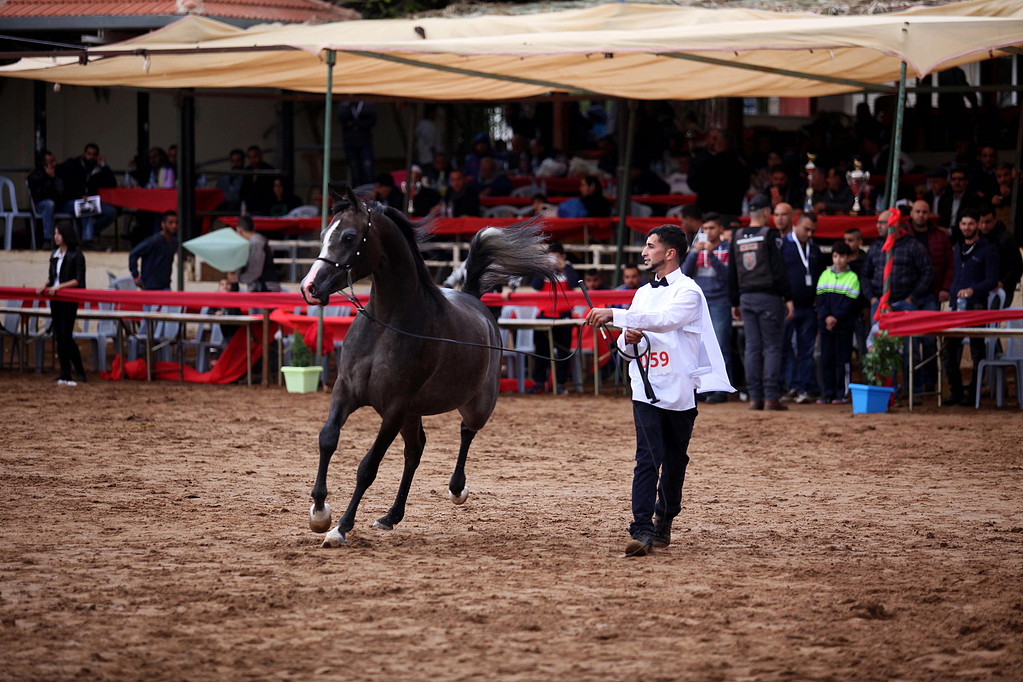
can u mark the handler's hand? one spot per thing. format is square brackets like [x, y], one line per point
[632, 336]
[790, 310]
[599, 316]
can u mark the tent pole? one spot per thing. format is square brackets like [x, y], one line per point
[186, 177]
[1014, 226]
[414, 113]
[328, 116]
[624, 164]
[893, 174]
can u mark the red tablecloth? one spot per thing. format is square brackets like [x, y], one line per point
[918, 322]
[158, 200]
[665, 199]
[563, 185]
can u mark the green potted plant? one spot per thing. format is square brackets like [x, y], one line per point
[301, 376]
[880, 365]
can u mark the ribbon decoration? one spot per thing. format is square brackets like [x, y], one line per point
[894, 216]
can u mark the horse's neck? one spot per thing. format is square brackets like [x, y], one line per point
[397, 289]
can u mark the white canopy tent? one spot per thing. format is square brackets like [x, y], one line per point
[613, 50]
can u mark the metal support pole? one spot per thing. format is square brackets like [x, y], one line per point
[39, 97]
[186, 178]
[1014, 228]
[624, 164]
[893, 170]
[414, 114]
[328, 120]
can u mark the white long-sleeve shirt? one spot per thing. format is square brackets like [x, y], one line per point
[684, 356]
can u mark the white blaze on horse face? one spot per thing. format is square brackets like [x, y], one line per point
[318, 264]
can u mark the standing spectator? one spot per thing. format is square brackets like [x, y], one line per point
[672, 313]
[592, 194]
[47, 191]
[462, 198]
[976, 275]
[437, 172]
[357, 121]
[231, 183]
[784, 189]
[84, 176]
[282, 202]
[838, 291]
[260, 273]
[758, 286]
[939, 248]
[938, 196]
[67, 270]
[804, 265]
[983, 182]
[960, 200]
[157, 254]
[707, 264]
[427, 136]
[783, 216]
[691, 217]
[854, 238]
[719, 175]
[1002, 200]
[1010, 263]
[257, 188]
[480, 150]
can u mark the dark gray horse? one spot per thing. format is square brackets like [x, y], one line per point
[386, 365]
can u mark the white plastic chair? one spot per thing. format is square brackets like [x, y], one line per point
[164, 334]
[502, 211]
[9, 212]
[36, 215]
[203, 345]
[1012, 358]
[640, 210]
[673, 212]
[98, 333]
[525, 191]
[11, 329]
[524, 341]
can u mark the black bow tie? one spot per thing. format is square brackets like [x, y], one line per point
[660, 282]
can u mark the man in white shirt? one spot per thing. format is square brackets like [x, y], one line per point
[669, 323]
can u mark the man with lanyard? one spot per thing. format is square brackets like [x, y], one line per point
[669, 328]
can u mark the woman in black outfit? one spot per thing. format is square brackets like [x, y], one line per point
[67, 269]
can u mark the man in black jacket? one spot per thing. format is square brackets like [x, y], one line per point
[84, 176]
[47, 190]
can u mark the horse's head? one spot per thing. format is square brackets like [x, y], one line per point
[344, 251]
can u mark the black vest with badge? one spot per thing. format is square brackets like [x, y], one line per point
[753, 264]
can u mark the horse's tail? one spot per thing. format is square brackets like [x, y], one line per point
[497, 254]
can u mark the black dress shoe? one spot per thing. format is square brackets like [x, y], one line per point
[662, 533]
[81, 378]
[641, 544]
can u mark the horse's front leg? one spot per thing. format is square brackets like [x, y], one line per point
[415, 442]
[319, 514]
[364, 478]
[457, 489]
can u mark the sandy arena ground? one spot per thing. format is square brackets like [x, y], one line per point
[160, 532]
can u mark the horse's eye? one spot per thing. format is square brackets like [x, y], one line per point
[348, 239]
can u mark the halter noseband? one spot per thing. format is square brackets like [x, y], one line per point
[338, 266]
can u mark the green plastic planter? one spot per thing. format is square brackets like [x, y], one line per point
[301, 379]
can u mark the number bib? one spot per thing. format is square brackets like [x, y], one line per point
[658, 361]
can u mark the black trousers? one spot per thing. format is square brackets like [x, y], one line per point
[63, 315]
[662, 442]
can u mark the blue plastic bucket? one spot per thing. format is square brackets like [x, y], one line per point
[868, 399]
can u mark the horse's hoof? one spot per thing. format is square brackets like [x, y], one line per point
[459, 499]
[334, 538]
[382, 524]
[319, 521]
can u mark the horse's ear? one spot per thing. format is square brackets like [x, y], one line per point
[338, 190]
[353, 199]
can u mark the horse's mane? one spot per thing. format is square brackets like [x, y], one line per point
[415, 233]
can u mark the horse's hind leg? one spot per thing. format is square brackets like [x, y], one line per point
[457, 489]
[364, 478]
[319, 514]
[415, 441]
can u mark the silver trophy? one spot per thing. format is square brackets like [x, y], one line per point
[809, 168]
[857, 179]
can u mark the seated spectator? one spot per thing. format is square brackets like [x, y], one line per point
[228, 285]
[960, 199]
[84, 176]
[645, 181]
[691, 218]
[257, 190]
[282, 203]
[436, 174]
[784, 189]
[492, 181]
[47, 191]
[386, 192]
[161, 172]
[937, 191]
[632, 278]
[231, 184]
[1001, 200]
[837, 198]
[594, 280]
[591, 203]
[462, 199]
[425, 199]
[260, 273]
[480, 150]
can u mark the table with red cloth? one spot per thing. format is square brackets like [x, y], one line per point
[161, 200]
[562, 185]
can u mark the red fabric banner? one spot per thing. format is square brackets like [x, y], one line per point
[917, 322]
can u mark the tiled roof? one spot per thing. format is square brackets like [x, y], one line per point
[290, 11]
